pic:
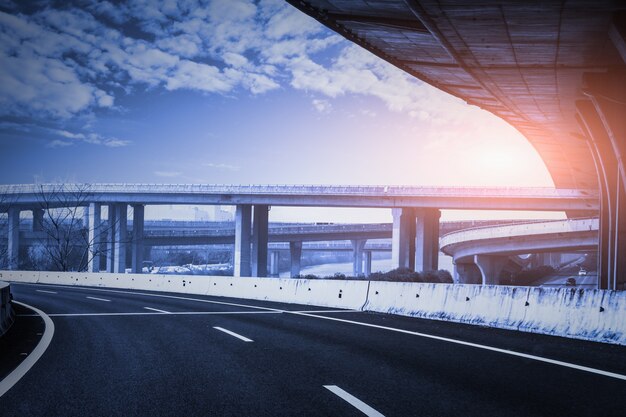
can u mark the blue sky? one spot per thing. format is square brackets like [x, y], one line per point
[228, 92]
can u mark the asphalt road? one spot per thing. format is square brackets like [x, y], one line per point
[124, 353]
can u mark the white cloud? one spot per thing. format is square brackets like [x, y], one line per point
[322, 106]
[58, 144]
[69, 135]
[186, 46]
[225, 167]
[115, 143]
[62, 63]
[167, 174]
[90, 138]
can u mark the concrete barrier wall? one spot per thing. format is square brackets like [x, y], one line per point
[338, 294]
[6, 310]
[597, 315]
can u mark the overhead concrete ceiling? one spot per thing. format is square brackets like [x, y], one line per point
[521, 60]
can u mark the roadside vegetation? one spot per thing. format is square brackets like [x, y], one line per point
[397, 275]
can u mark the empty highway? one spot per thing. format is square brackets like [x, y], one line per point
[121, 353]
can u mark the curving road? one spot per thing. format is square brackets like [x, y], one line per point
[121, 353]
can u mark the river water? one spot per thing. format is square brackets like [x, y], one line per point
[378, 265]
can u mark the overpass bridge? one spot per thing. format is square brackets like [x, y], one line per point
[415, 211]
[290, 237]
[554, 70]
[481, 254]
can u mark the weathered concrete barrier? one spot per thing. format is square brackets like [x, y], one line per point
[6, 310]
[596, 315]
[327, 293]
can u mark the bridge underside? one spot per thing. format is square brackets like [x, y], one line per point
[554, 70]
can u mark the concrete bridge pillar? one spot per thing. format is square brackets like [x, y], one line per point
[601, 118]
[274, 258]
[357, 256]
[243, 228]
[295, 254]
[13, 239]
[490, 267]
[260, 234]
[415, 239]
[538, 259]
[467, 273]
[121, 238]
[38, 220]
[94, 237]
[367, 267]
[111, 237]
[137, 242]
[403, 238]
[427, 239]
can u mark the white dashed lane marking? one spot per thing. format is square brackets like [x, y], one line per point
[157, 310]
[99, 299]
[353, 401]
[238, 336]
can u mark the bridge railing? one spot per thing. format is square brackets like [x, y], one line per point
[287, 189]
[518, 229]
[282, 230]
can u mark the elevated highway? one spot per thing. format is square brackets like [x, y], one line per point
[415, 211]
[481, 254]
[554, 70]
[25, 196]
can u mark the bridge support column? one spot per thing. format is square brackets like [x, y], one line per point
[295, 255]
[13, 239]
[367, 267]
[111, 237]
[260, 235]
[243, 228]
[38, 220]
[403, 238]
[490, 267]
[137, 243]
[121, 238]
[94, 237]
[538, 259]
[274, 258]
[427, 239]
[467, 273]
[357, 257]
[602, 119]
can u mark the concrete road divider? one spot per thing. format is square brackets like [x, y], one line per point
[6, 310]
[597, 315]
[327, 293]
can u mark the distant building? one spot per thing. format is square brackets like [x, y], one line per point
[212, 213]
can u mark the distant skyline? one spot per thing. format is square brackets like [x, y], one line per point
[228, 92]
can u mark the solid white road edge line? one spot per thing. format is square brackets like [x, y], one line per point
[157, 310]
[151, 295]
[474, 345]
[238, 336]
[276, 310]
[175, 313]
[353, 401]
[99, 299]
[17, 374]
[47, 292]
